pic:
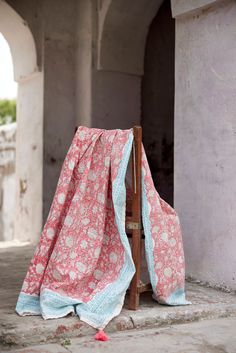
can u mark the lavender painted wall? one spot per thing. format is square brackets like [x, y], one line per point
[205, 142]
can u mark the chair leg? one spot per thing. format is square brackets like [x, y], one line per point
[136, 254]
[136, 216]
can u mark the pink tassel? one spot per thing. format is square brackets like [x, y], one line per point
[101, 336]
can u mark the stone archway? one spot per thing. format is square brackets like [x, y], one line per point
[136, 47]
[123, 23]
[130, 87]
[29, 140]
[117, 64]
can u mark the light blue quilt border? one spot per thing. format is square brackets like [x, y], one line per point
[28, 305]
[176, 298]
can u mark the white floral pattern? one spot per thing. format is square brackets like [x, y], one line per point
[80, 251]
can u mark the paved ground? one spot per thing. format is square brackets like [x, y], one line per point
[22, 331]
[214, 336]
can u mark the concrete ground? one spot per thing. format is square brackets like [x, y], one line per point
[16, 331]
[214, 336]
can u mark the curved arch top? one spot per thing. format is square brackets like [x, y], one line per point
[123, 27]
[20, 40]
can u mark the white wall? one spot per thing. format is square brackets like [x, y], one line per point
[205, 142]
[29, 139]
[7, 181]
[29, 159]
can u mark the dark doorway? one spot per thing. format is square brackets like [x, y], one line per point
[158, 100]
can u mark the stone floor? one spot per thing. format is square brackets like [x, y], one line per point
[18, 331]
[214, 336]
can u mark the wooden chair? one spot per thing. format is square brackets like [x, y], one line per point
[133, 221]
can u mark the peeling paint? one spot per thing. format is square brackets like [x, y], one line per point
[23, 186]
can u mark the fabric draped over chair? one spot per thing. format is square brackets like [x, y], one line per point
[83, 262]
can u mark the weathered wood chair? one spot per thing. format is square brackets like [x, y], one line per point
[133, 221]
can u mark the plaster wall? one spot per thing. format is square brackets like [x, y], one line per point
[84, 60]
[53, 25]
[205, 142]
[29, 159]
[31, 13]
[20, 40]
[122, 30]
[183, 7]
[105, 98]
[116, 100]
[59, 90]
[28, 210]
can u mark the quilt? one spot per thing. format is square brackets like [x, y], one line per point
[83, 263]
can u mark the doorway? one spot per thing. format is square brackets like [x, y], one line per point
[157, 117]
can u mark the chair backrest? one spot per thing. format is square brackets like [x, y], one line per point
[136, 173]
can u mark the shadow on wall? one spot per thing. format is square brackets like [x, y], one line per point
[158, 100]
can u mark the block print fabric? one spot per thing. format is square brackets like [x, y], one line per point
[83, 264]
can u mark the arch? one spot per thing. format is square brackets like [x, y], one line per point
[29, 147]
[20, 40]
[122, 22]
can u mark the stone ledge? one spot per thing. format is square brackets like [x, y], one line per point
[32, 330]
[16, 331]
